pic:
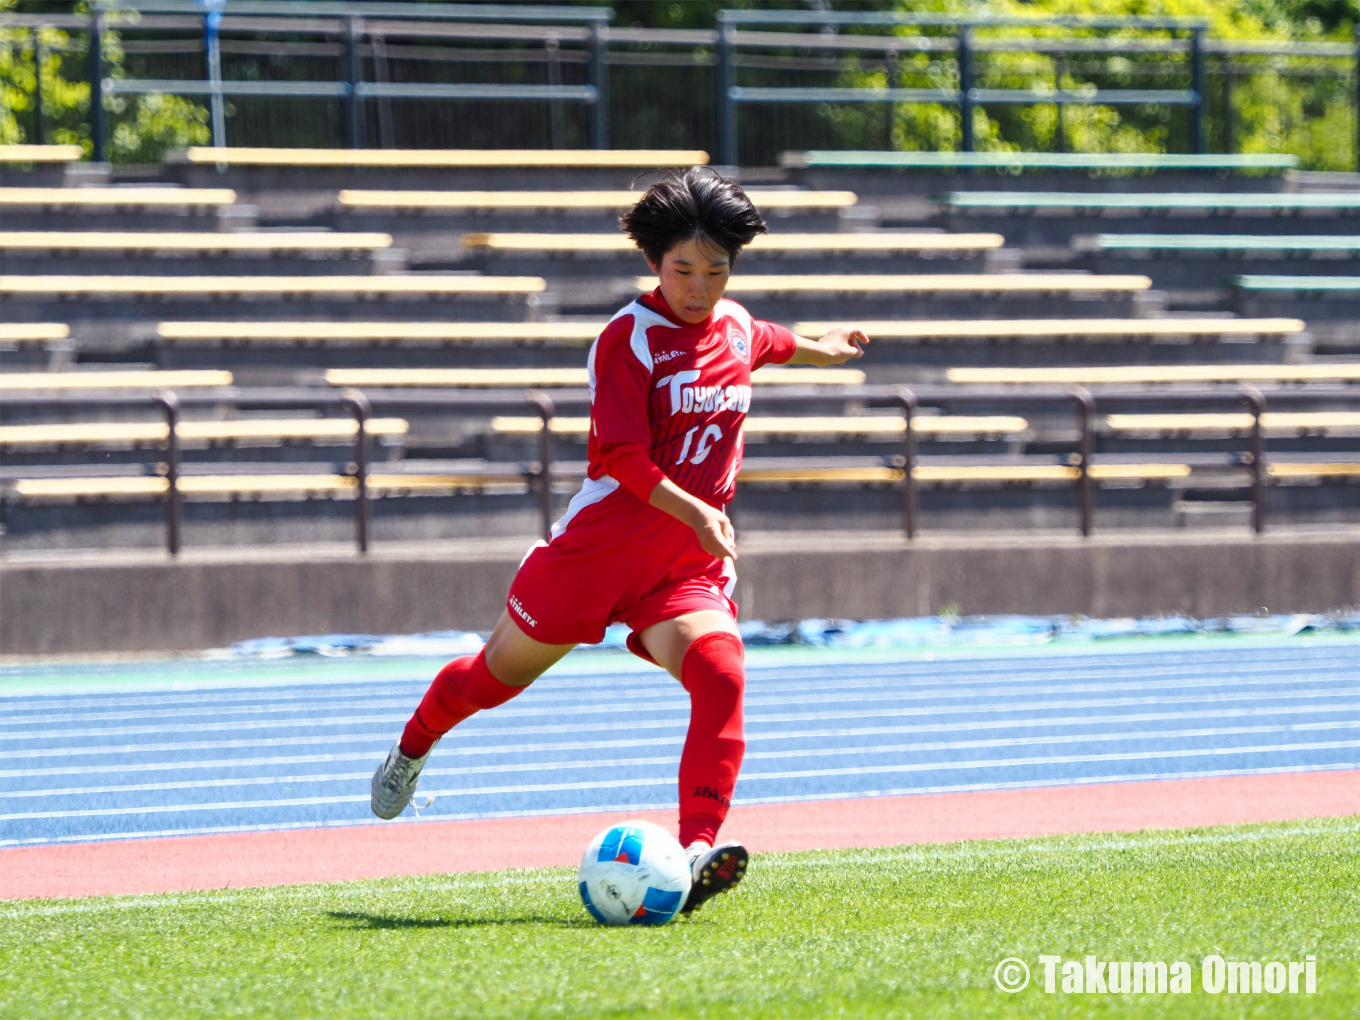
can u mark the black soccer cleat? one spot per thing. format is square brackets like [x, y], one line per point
[712, 871]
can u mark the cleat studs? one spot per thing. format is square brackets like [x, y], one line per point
[705, 881]
[725, 856]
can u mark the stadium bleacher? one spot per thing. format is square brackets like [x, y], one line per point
[958, 290]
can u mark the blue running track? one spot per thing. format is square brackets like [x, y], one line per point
[120, 751]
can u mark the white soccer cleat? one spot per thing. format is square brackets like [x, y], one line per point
[713, 870]
[395, 782]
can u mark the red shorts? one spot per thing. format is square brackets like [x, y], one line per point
[615, 559]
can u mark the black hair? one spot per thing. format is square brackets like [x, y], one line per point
[695, 203]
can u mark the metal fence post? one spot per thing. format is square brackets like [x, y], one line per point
[40, 131]
[599, 64]
[727, 110]
[168, 402]
[1257, 401]
[1198, 85]
[965, 58]
[542, 403]
[96, 72]
[212, 44]
[557, 125]
[906, 400]
[354, 126]
[1086, 412]
[357, 404]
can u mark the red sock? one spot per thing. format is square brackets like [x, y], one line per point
[461, 688]
[713, 673]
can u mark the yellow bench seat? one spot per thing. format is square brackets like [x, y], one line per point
[1025, 329]
[548, 377]
[241, 430]
[39, 153]
[785, 243]
[1271, 421]
[440, 158]
[356, 198]
[966, 474]
[770, 425]
[18, 382]
[33, 332]
[256, 486]
[1149, 374]
[247, 286]
[150, 197]
[576, 333]
[924, 283]
[190, 241]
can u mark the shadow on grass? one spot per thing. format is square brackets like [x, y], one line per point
[359, 921]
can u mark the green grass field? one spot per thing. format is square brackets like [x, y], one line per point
[894, 932]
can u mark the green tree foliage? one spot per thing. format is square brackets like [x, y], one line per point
[141, 128]
[1267, 104]
[1305, 106]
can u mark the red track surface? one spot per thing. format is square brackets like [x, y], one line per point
[377, 851]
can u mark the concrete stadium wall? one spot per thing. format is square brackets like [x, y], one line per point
[149, 603]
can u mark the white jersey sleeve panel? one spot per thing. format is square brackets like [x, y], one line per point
[732, 310]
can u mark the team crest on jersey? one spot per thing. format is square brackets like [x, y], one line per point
[741, 347]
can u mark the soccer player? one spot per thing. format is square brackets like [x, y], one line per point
[645, 541]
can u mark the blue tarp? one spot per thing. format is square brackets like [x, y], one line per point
[912, 632]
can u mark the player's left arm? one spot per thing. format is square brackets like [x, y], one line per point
[842, 344]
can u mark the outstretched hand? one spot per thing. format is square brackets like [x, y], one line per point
[842, 344]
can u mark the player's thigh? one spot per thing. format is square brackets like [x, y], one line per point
[668, 641]
[515, 658]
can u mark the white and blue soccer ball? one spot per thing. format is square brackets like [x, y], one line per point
[634, 873]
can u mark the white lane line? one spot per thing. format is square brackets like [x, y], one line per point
[338, 777]
[475, 729]
[301, 713]
[576, 701]
[377, 698]
[384, 740]
[657, 705]
[611, 763]
[613, 784]
[521, 748]
[867, 676]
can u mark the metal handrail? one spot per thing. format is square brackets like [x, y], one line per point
[966, 96]
[351, 89]
[360, 404]
[360, 9]
[885, 18]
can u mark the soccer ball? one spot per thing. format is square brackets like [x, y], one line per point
[634, 873]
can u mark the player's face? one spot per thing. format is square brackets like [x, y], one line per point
[693, 278]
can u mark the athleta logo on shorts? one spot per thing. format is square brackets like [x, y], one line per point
[741, 347]
[690, 399]
[519, 611]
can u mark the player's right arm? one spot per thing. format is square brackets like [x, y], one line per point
[624, 433]
[713, 527]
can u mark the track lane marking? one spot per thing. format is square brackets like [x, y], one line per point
[745, 777]
[609, 763]
[676, 704]
[475, 730]
[519, 748]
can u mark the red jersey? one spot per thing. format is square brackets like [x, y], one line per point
[679, 390]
